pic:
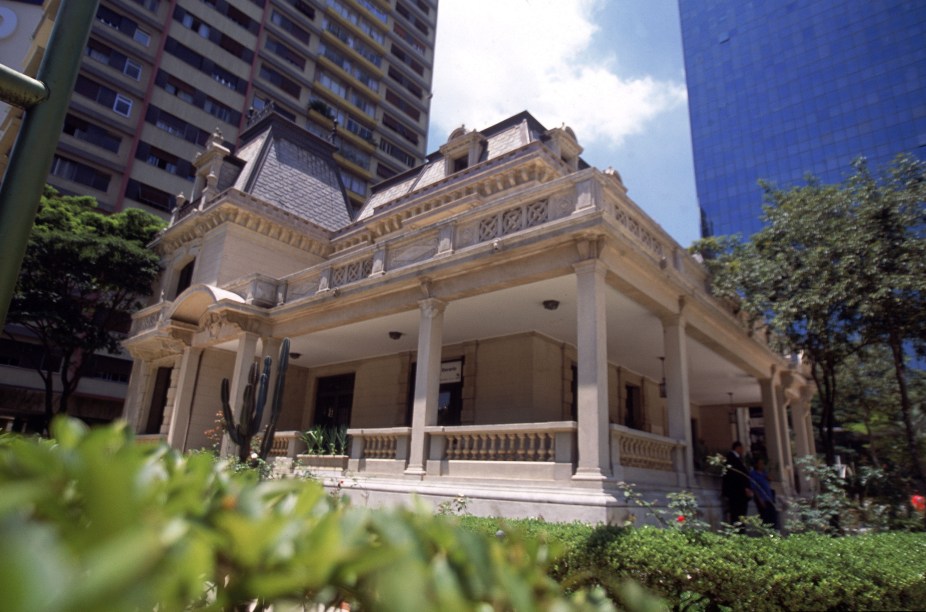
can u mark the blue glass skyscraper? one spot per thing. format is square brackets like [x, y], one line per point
[778, 89]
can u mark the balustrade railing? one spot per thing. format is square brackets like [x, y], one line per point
[384, 443]
[642, 449]
[147, 318]
[286, 444]
[528, 442]
[149, 439]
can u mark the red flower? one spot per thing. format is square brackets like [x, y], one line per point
[680, 518]
[918, 502]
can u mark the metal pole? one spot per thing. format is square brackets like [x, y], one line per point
[32, 154]
[21, 90]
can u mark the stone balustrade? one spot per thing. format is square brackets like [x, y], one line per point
[384, 443]
[359, 256]
[640, 449]
[508, 449]
[380, 450]
[149, 439]
[148, 318]
[540, 451]
[286, 444]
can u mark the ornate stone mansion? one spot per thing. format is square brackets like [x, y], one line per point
[502, 322]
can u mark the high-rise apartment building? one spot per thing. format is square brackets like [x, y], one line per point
[160, 76]
[781, 88]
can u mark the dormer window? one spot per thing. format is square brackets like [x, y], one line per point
[562, 141]
[460, 163]
[462, 150]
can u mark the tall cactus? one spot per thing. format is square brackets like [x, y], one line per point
[252, 406]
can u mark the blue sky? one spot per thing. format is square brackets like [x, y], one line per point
[610, 69]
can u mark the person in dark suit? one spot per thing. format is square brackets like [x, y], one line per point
[736, 487]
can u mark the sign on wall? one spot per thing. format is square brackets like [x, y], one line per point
[451, 371]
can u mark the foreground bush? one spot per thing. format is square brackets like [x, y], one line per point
[885, 571]
[90, 521]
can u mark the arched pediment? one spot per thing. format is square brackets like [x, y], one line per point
[457, 133]
[190, 305]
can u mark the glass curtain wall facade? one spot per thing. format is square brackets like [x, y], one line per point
[780, 89]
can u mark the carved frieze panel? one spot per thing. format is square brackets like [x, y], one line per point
[301, 287]
[217, 326]
[412, 253]
[262, 292]
[352, 272]
[153, 349]
[149, 321]
[646, 238]
[560, 206]
[505, 222]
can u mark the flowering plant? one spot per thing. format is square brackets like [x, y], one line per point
[918, 502]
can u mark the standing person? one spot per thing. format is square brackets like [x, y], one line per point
[763, 494]
[736, 484]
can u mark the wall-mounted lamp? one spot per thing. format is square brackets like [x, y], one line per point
[295, 356]
[662, 385]
[395, 335]
[551, 304]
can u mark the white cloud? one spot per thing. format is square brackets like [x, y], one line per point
[495, 58]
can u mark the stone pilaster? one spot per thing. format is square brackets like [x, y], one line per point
[183, 397]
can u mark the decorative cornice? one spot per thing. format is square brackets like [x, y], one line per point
[470, 188]
[252, 213]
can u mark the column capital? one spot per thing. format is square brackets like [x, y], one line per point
[431, 307]
[590, 266]
[673, 319]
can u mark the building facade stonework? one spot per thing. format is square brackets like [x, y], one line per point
[501, 323]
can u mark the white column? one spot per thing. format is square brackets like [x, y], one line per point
[784, 435]
[244, 358]
[169, 406]
[743, 427]
[772, 415]
[803, 436]
[593, 432]
[136, 394]
[427, 380]
[677, 397]
[183, 400]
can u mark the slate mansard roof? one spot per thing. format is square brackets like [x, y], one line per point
[289, 168]
[295, 171]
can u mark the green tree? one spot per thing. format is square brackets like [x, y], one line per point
[83, 275]
[835, 268]
[891, 249]
[792, 276]
[870, 414]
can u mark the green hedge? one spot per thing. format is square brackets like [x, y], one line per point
[884, 571]
[91, 521]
